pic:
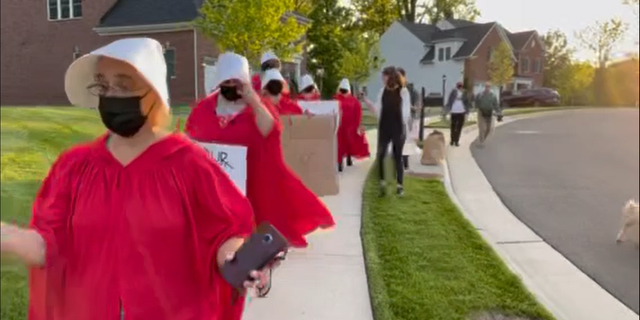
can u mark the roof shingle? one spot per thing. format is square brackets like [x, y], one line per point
[472, 35]
[126, 13]
[519, 39]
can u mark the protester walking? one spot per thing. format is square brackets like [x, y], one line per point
[393, 109]
[487, 104]
[273, 84]
[352, 141]
[409, 144]
[457, 107]
[309, 90]
[137, 223]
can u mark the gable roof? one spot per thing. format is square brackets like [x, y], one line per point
[420, 30]
[519, 39]
[473, 34]
[460, 23]
[127, 13]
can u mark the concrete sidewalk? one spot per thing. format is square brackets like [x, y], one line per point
[326, 281]
[566, 291]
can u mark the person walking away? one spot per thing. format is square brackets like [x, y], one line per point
[272, 85]
[409, 145]
[309, 90]
[352, 141]
[137, 223]
[487, 104]
[393, 108]
[457, 106]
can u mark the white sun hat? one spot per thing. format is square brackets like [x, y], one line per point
[344, 84]
[272, 74]
[306, 81]
[268, 56]
[231, 66]
[144, 54]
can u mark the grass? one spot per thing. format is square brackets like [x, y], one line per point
[31, 140]
[425, 261]
[445, 124]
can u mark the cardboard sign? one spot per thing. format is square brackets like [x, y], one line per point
[329, 107]
[310, 148]
[232, 159]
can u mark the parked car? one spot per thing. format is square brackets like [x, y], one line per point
[531, 98]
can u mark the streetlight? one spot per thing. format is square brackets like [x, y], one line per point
[444, 88]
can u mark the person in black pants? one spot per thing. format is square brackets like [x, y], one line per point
[458, 106]
[393, 109]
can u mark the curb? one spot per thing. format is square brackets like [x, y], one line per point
[536, 287]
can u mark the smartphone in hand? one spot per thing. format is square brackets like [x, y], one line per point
[262, 248]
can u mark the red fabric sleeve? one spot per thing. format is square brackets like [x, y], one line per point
[51, 211]
[220, 210]
[256, 82]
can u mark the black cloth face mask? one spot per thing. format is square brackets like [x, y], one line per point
[344, 91]
[230, 93]
[274, 87]
[122, 116]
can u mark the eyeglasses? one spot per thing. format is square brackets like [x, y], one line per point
[122, 88]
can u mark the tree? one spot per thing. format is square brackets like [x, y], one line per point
[360, 56]
[438, 10]
[558, 57]
[251, 27]
[375, 16]
[602, 38]
[501, 67]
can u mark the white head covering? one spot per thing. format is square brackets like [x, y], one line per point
[268, 56]
[231, 66]
[272, 74]
[144, 54]
[306, 81]
[344, 84]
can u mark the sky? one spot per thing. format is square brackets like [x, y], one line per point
[567, 15]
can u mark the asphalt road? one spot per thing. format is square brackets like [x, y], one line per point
[567, 176]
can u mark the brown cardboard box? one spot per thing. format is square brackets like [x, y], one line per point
[434, 149]
[310, 148]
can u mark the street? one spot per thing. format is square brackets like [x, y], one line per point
[567, 176]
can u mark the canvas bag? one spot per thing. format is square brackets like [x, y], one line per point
[310, 148]
[434, 149]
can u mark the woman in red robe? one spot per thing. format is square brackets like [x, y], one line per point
[137, 223]
[352, 142]
[273, 84]
[309, 90]
[277, 195]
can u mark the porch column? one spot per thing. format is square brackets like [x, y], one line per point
[298, 60]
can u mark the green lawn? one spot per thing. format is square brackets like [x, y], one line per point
[425, 261]
[32, 138]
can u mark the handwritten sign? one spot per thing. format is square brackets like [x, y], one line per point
[320, 107]
[232, 159]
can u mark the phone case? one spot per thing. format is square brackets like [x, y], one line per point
[256, 253]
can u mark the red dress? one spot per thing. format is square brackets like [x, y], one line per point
[277, 195]
[141, 238]
[256, 82]
[351, 142]
[287, 106]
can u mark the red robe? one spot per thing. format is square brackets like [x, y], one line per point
[287, 106]
[256, 82]
[313, 97]
[142, 237]
[351, 142]
[277, 195]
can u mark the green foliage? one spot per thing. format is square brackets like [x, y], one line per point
[601, 38]
[437, 10]
[360, 57]
[557, 58]
[501, 65]
[375, 16]
[251, 27]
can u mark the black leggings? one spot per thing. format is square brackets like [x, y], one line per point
[457, 124]
[397, 139]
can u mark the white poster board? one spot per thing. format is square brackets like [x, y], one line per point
[232, 159]
[320, 107]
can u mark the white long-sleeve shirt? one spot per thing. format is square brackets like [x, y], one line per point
[406, 105]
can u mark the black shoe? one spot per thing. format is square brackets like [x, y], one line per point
[349, 162]
[457, 144]
[340, 167]
[400, 191]
[405, 162]
[452, 143]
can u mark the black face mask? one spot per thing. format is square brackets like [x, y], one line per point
[344, 91]
[230, 93]
[122, 116]
[274, 87]
[308, 89]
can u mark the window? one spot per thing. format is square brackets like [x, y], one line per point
[170, 58]
[441, 54]
[524, 67]
[448, 53]
[64, 9]
[537, 66]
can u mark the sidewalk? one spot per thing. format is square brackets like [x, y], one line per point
[566, 291]
[326, 281]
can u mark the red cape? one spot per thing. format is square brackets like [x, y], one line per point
[351, 142]
[142, 237]
[276, 193]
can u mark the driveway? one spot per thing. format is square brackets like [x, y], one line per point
[567, 176]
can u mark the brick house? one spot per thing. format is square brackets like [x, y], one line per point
[41, 38]
[437, 56]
